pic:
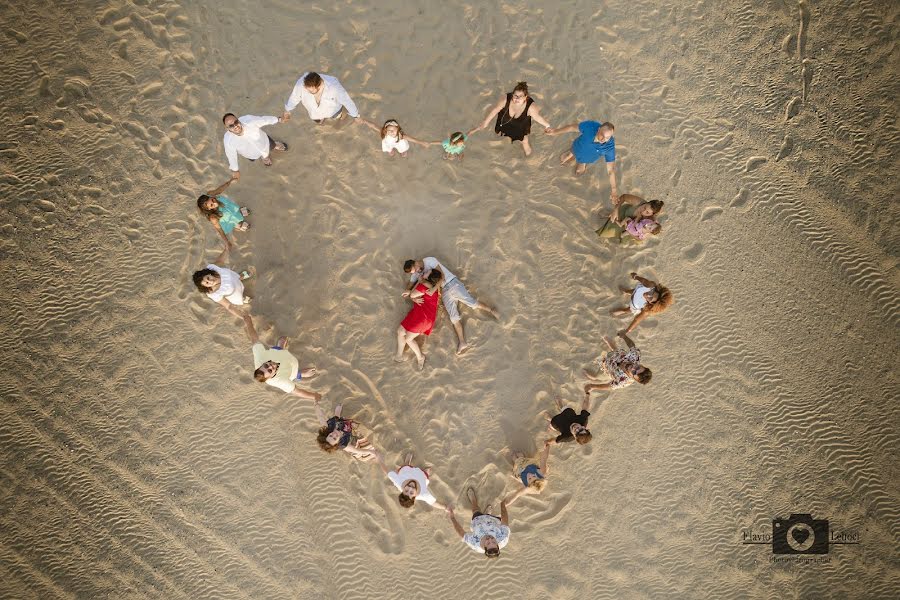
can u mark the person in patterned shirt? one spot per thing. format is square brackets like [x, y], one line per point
[489, 533]
[622, 366]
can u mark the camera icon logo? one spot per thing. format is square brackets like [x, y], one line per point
[800, 534]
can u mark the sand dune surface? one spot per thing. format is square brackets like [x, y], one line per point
[141, 460]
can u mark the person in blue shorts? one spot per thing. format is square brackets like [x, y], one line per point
[595, 141]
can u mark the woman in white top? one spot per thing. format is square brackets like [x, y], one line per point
[222, 285]
[411, 481]
[647, 298]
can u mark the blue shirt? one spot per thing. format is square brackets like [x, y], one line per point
[586, 150]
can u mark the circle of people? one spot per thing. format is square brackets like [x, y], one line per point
[427, 280]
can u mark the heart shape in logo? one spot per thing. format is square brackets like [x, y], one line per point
[800, 535]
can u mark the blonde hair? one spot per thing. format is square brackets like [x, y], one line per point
[538, 484]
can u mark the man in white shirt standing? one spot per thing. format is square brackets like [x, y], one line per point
[245, 136]
[452, 292]
[322, 96]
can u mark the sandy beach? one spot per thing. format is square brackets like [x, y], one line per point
[141, 460]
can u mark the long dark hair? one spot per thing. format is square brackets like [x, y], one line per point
[198, 279]
[210, 213]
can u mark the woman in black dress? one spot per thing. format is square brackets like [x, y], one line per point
[514, 113]
[571, 426]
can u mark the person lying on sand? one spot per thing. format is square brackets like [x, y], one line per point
[222, 285]
[421, 317]
[322, 96]
[245, 137]
[338, 433]
[225, 215]
[411, 481]
[277, 367]
[622, 366]
[571, 426]
[489, 533]
[629, 207]
[595, 140]
[514, 112]
[452, 291]
[530, 473]
[393, 138]
[647, 298]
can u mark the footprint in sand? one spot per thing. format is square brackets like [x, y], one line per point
[694, 252]
[709, 213]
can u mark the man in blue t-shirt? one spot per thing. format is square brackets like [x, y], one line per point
[595, 140]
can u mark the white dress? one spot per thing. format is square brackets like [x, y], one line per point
[231, 288]
[389, 143]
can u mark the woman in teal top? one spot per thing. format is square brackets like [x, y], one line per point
[222, 212]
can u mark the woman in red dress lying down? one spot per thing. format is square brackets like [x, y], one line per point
[421, 317]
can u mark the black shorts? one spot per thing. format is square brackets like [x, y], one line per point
[481, 514]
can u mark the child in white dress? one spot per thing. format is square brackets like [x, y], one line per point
[393, 138]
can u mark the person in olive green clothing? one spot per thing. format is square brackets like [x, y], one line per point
[629, 207]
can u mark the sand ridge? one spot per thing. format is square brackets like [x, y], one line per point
[140, 460]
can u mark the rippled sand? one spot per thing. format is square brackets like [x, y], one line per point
[140, 460]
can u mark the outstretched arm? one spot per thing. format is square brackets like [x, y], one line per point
[544, 456]
[370, 125]
[627, 339]
[220, 259]
[219, 189]
[250, 329]
[585, 405]
[227, 306]
[515, 495]
[410, 138]
[344, 98]
[309, 395]
[221, 232]
[643, 280]
[634, 322]
[504, 515]
[455, 523]
[380, 460]
[491, 114]
[614, 190]
[320, 415]
[535, 114]
[570, 128]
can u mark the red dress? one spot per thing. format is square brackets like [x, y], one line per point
[421, 317]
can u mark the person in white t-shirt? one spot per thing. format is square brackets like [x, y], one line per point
[452, 292]
[411, 481]
[245, 137]
[277, 367]
[222, 285]
[322, 96]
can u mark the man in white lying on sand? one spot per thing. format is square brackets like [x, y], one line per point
[322, 96]
[245, 136]
[277, 367]
[452, 292]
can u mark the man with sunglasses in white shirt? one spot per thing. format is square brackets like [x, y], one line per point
[244, 136]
